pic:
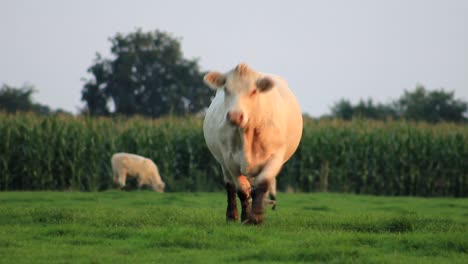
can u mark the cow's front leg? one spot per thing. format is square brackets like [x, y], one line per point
[263, 181]
[231, 211]
[244, 196]
[258, 197]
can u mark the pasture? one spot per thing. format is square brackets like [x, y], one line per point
[148, 227]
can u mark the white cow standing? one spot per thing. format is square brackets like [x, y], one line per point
[252, 127]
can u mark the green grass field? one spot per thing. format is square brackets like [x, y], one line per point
[146, 227]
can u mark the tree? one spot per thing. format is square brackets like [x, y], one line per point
[366, 109]
[418, 105]
[148, 76]
[14, 99]
[431, 106]
[94, 90]
[343, 109]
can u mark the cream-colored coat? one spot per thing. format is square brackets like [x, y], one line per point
[264, 138]
[126, 164]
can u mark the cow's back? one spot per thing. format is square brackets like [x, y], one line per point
[129, 161]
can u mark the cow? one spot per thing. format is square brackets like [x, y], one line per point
[252, 127]
[147, 173]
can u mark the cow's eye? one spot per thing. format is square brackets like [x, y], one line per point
[253, 92]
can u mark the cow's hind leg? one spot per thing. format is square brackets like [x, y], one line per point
[272, 194]
[272, 201]
[231, 211]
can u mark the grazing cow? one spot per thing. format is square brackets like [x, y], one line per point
[126, 164]
[252, 127]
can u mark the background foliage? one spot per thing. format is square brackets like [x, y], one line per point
[16, 99]
[147, 75]
[61, 152]
[417, 105]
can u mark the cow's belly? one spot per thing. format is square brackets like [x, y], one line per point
[236, 164]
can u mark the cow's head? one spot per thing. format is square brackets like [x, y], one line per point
[242, 89]
[159, 187]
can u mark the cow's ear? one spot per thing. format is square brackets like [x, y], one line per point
[215, 80]
[265, 84]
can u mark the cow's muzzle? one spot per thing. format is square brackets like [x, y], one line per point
[235, 117]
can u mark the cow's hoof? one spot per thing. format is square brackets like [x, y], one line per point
[253, 219]
[232, 216]
[231, 220]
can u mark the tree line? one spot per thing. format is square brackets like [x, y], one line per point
[148, 75]
[417, 105]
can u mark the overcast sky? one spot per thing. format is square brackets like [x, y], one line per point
[326, 50]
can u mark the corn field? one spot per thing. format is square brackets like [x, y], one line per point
[368, 157]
